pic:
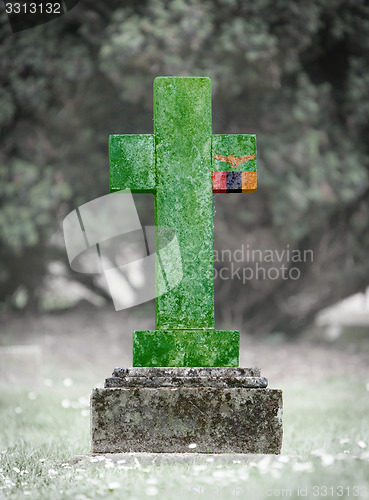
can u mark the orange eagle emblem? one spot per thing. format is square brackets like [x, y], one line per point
[235, 160]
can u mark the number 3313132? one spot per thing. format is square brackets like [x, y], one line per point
[33, 8]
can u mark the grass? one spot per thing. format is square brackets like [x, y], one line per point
[325, 451]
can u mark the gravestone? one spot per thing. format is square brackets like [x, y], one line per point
[185, 387]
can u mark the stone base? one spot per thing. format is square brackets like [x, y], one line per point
[169, 410]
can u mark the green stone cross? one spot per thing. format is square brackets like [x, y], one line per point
[182, 164]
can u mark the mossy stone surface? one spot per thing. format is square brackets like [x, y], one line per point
[176, 163]
[249, 382]
[168, 420]
[184, 198]
[186, 348]
[207, 372]
[132, 163]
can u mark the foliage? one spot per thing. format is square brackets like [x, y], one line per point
[40, 194]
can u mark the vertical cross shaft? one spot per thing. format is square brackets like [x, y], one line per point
[184, 197]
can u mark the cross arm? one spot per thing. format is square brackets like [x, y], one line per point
[132, 163]
[234, 163]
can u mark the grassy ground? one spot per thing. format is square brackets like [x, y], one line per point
[326, 425]
[325, 451]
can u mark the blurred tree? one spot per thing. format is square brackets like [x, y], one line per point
[296, 74]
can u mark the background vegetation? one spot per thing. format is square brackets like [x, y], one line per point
[294, 73]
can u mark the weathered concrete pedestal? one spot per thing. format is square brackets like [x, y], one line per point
[165, 410]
